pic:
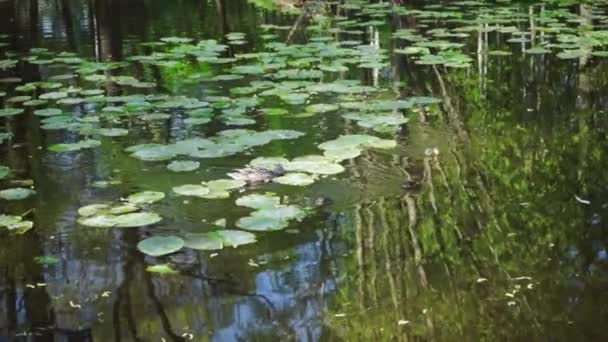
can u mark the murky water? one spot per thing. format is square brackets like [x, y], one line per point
[498, 234]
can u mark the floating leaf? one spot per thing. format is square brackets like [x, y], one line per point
[268, 219]
[5, 172]
[160, 245]
[137, 220]
[204, 241]
[192, 190]
[11, 111]
[145, 197]
[295, 178]
[15, 194]
[183, 165]
[75, 146]
[225, 184]
[257, 201]
[7, 220]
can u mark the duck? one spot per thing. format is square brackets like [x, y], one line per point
[253, 175]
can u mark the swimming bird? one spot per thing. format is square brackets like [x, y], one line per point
[254, 175]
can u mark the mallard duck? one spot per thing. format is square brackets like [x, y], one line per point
[257, 174]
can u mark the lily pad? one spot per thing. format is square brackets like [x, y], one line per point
[137, 220]
[183, 165]
[160, 245]
[11, 111]
[225, 184]
[257, 201]
[15, 194]
[192, 190]
[295, 178]
[204, 241]
[145, 197]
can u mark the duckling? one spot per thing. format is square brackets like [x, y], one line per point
[253, 175]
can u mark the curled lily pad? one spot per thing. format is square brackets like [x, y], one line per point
[15, 194]
[192, 190]
[7, 220]
[295, 178]
[20, 227]
[160, 245]
[145, 197]
[183, 165]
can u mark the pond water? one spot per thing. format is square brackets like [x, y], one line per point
[446, 171]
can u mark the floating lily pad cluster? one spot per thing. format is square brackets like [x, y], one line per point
[219, 188]
[15, 224]
[124, 215]
[226, 143]
[269, 214]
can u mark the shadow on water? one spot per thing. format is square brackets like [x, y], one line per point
[486, 241]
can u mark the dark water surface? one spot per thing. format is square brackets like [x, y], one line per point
[488, 241]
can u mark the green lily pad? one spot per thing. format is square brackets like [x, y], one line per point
[160, 245]
[295, 178]
[192, 190]
[11, 111]
[269, 219]
[53, 96]
[98, 221]
[204, 241]
[183, 165]
[314, 164]
[257, 201]
[48, 112]
[15, 194]
[236, 238]
[225, 184]
[5, 172]
[113, 132]
[93, 209]
[145, 197]
[7, 220]
[137, 220]
[20, 228]
[84, 144]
